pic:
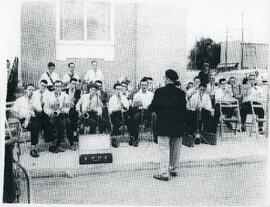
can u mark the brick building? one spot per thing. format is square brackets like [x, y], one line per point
[127, 39]
[255, 55]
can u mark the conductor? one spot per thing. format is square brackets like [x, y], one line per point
[169, 104]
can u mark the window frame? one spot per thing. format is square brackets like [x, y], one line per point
[85, 41]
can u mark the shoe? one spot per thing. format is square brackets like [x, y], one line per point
[73, 147]
[197, 141]
[161, 177]
[60, 149]
[34, 153]
[229, 125]
[114, 143]
[261, 130]
[173, 173]
[243, 128]
[135, 143]
[131, 141]
[52, 149]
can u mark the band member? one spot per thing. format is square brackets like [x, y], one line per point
[141, 101]
[57, 106]
[177, 84]
[169, 104]
[23, 109]
[204, 74]
[71, 74]
[223, 93]
[50, 76]
[84, 87]
[235, 87]
[150, 86]
[117, 106]
[94, 73]
[193, 89]
[199, 111]
[255, 94]
[72, 122]
[89, 108]
[211, 87]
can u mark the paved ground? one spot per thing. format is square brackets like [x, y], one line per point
[238, 184]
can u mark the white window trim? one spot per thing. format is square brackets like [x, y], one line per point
[85, 48]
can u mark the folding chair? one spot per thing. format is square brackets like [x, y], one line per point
[255, 118]
[233, 105]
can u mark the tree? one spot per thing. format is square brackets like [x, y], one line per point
[205, 51]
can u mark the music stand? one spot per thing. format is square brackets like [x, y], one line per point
[198, 134]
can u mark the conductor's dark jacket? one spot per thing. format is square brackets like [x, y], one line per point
[169, 104]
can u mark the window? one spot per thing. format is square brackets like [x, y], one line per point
[84, 29]
[85, 21]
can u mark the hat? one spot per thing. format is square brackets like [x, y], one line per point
[206, 64]
[171, 74]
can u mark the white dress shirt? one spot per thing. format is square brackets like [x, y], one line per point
[92, 75]
[39, 97]
[116, 104]
[223, 95]
[254, 94]
[145, 98]
[53, 75]
[51, 100]
[202, 102]
[86, 103]
[66, 77]
[22, 107]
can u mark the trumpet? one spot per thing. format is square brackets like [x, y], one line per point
[57, 105]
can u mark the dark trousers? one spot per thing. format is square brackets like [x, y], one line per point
[246, 109]
[140, 117]
[200, 120]
[38, 123]
[71, 125]
[228, 112]
[59, 126]
[94, 121]
[118, 118]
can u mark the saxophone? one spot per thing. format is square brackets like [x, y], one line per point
[57, 105]
[85, 114]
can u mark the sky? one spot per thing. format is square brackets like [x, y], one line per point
[209, 18]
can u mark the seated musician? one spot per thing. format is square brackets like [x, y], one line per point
[235, 87]
[199, 110]
[118, 104]
[255, 94]
[24, 111]
[223, 93]
[104, 97]
[72, 122]
[141, 102]
[89, 108]
[56, 106]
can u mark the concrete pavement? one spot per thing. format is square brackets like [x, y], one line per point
[232, 150]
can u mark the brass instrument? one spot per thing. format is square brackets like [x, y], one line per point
[57, 105]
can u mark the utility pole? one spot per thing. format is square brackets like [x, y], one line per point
[226, 49]
[242, 43]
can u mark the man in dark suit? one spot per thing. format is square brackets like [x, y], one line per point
[72, 121]
[169, 104]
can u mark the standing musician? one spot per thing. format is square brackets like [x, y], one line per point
[223, 93]
[23, 109]
[57, 107]
[117, 106]
[50, 76]
[211, 87]
[254, 94]
[94, 73]
[141, 101]
[72, 122]
[89, 108]
[71, 74]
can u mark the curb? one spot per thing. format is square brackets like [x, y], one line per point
[102, 169]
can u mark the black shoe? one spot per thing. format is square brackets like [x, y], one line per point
[197, 141]
[173, 173]
[131, 141]
[34, 153]
[135, 143]
[52, 149]
[243, 128]
[229, 125]
[261, 130]
[161, 177]
[115, 143]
